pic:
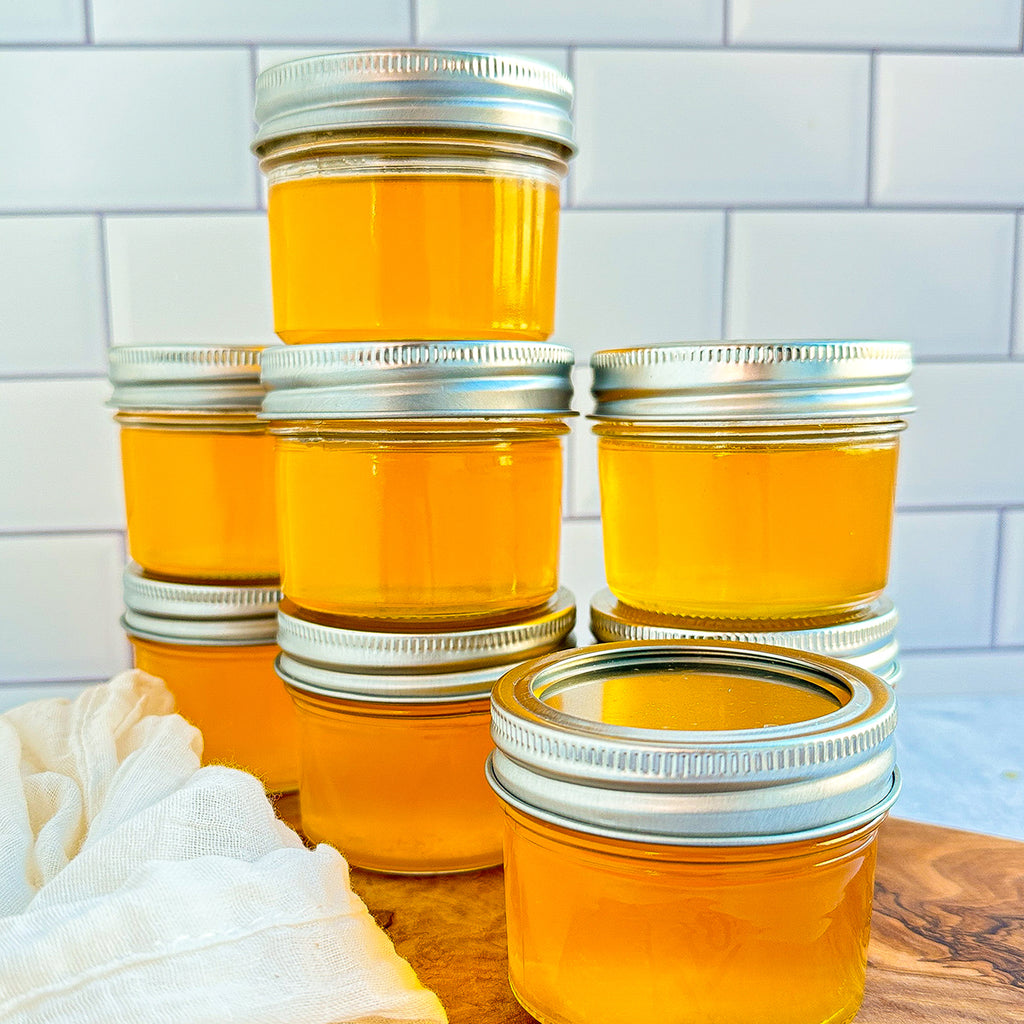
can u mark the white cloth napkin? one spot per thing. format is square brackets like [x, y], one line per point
[136, 886]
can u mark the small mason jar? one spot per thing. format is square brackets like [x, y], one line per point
[214, 647]
[413, 194]
[198, 465]
[419, 481]
[690, 831]
[868, 640]
[749, 481]
[394, 731]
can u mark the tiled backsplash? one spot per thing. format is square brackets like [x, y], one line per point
[755, 168]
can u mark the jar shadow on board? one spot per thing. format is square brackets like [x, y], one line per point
[750, 481]
[413, 194]
[690, 831]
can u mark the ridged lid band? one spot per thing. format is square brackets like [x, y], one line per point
[377, 665]
[750, 786]
[202, 614]
[414, 88]
[417, 380]
[186, 378]
[754, 381]
[868, 641]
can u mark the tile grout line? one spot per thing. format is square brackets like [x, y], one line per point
[90, 32]
[1020, 30]
[254, 70]
[84, 531]
[414, 22]
[108, 306]
[869, 176]
[726, 21]
[1015, 297]
[997, 579]
[723, 322]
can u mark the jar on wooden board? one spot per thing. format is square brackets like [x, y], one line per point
[214, 647]
[198, 465]
[750, 481]
[394, 731]
[690, 831]
[419, 481]
[867, 640]
[413, 194]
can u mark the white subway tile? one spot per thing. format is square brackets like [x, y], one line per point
[61, 467]
[949, 129]
[632, 278]
[12, 695]
[940, 280]
[962, 673]
[961, 446]
[943, 578]
[582, 21]
[121, 129]
[721, 127]
[1010, 599]
[582, 568]
[190, 279]
[59, 617]
[960, 24]
[246, 21]
[51, 304]
[584, 491]
[42, 21]
[267, 56]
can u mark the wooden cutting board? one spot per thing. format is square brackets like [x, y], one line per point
[947, 935]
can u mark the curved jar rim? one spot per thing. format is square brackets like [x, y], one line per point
[376, 665]
[412, 87]
[186, 378]
[198, 613]
[751, 382]
[729, 787]
[417, 380]
[867, 640]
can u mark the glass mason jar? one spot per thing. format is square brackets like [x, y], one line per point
[394, 731]
[413, 194]
[214, 647]
[690, 832]
[750, 480]
[198, 465]
[867, 640]
[419, 481]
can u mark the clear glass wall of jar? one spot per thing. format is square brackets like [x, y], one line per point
[413, 194]
[198, 465]
[394, 732]
[691, 825]
[749, 481]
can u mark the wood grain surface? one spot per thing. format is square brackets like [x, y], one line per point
[947, 934]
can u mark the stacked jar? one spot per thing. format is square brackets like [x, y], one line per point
[202, 589]
[747, 492]
[419, 416]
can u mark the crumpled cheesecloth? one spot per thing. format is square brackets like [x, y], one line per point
[139, 888]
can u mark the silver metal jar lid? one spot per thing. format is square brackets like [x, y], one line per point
[558, 760]
[868, 641]
[414, 88]
[754, 381]
[198, 613]
[417, 380]
[407, 667]
[186, 377]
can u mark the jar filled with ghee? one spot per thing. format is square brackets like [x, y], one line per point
[868, 640]
[750, 480]
[394, 729]
[214, 647]
[419, 481]
[690, 832]
[413, 194]
[198, 464]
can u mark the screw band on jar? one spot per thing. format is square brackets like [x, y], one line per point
[214, 647]
[746, 482]
[198, 465]
[420, 481]
[403, 184]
